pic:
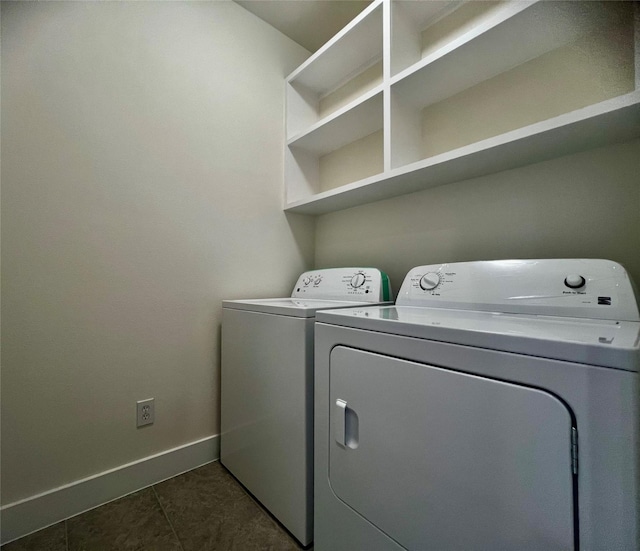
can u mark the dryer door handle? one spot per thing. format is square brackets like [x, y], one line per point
[346, 425]
[340, 420]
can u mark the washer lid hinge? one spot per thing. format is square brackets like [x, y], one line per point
[574, 450]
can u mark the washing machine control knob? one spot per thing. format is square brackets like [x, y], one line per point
[306, 280]
[357, 280]
[430, 281]
[574, 281]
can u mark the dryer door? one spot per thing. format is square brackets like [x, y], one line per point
[439, 459]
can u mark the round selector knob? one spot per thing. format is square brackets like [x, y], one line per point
[306, 280]
[574, 281]
[429, 281]
[357, 280]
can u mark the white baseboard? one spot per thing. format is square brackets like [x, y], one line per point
[29, 515]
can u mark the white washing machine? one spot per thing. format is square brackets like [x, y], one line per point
[267, 388]
[494, 408]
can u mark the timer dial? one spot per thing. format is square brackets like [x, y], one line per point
[429, 281]
[306, 280]
[357, 280]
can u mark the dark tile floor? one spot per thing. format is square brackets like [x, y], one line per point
[204, 509]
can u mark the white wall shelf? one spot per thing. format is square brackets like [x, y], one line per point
[354, 121]
[353, 47]
[347, 66]
[467, 89]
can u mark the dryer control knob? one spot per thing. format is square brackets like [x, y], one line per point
[357, 280]
[574, 281]
[430, 281]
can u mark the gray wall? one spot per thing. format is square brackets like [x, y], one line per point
[142, 184]
[585, 205]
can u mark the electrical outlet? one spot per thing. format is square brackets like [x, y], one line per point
[145, 412]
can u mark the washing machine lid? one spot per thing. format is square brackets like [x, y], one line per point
[605, 343]
[327, 288]
[299, 308]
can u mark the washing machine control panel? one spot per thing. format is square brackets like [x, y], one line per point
[358, 284]
[583, 288]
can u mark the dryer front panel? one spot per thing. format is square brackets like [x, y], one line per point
[445, 460]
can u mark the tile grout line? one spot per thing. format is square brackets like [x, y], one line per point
[166, 516]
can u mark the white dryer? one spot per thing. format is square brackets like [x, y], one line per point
[267, 388]
[494, 408]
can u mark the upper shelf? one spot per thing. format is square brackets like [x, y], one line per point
[531, 29]
[345, 69]
[411, 20]
[609, 122]
[356, 46]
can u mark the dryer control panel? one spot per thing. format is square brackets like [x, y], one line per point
[361, 284]
[581, 288]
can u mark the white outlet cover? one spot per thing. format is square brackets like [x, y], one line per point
[145, 412]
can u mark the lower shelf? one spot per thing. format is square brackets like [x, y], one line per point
[612, 121]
